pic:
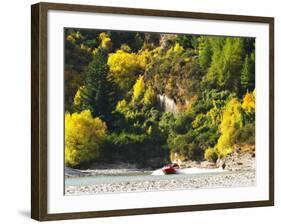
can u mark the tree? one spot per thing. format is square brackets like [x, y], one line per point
[216, 64]
[76, 60]
[232, 119]
[247, 75]
[77, 101]
[248, 106]
[98, 93]
[227, 61]
[138, 89]
[149, 98]
[134, 40]
[72, 80]
[233, 52]
[84, 136]
[124, 68]
[230, 59]
[205, 53]
[211, 155]
[105, 41]
[187, 41]
[185, 145]
[249, 102]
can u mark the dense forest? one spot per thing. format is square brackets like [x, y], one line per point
[146, 98]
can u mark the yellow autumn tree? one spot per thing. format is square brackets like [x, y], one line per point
[249, 102]
[84, 136]
[144, 57]
[77, 98]
[149, 97]
[122, 106]
[70, 38]
[211, 155]
[124, 68]
[105, 41]
[231, 121]
[138, 89]
[126, 48]
[177, 48]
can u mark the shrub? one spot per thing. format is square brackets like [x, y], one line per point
[182, 123]
[84, 136]
[166, 122]
[185, 145]
[211, 155]
[245, 134]
[134, 148]
[208, 137]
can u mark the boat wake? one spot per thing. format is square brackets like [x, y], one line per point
[194, 170]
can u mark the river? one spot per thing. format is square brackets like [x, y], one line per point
[139, 176]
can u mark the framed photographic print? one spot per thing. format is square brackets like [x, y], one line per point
[139, 111]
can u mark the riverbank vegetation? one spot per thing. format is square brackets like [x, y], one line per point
[148, 98]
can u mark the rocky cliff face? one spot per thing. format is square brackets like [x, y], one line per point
[167, 104]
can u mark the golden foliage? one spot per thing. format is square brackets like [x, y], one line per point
[177, 48]
[84, 136]
[149, 97]
[138, 89]
[231, 121]
[77, 98]
[249, 102]
[105, 40]
[121, 106]
[170, 87]
[126, 48]
[214, 115]
[70, 38]
[85, 48]
[144, 57]
[123, 67]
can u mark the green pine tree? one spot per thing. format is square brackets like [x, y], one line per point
[245, 74]
[205, 53]
[248, 74]
[232, 55]
[98, 93]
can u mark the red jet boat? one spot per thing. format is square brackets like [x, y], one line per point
[170, 168]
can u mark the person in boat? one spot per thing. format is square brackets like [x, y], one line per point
[170, 168]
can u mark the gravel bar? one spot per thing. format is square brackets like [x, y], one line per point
[168, 183]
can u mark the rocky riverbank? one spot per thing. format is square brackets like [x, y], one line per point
[239, 171]
[105, 169]
[178, 182]
[244, 161]
[236, 161]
